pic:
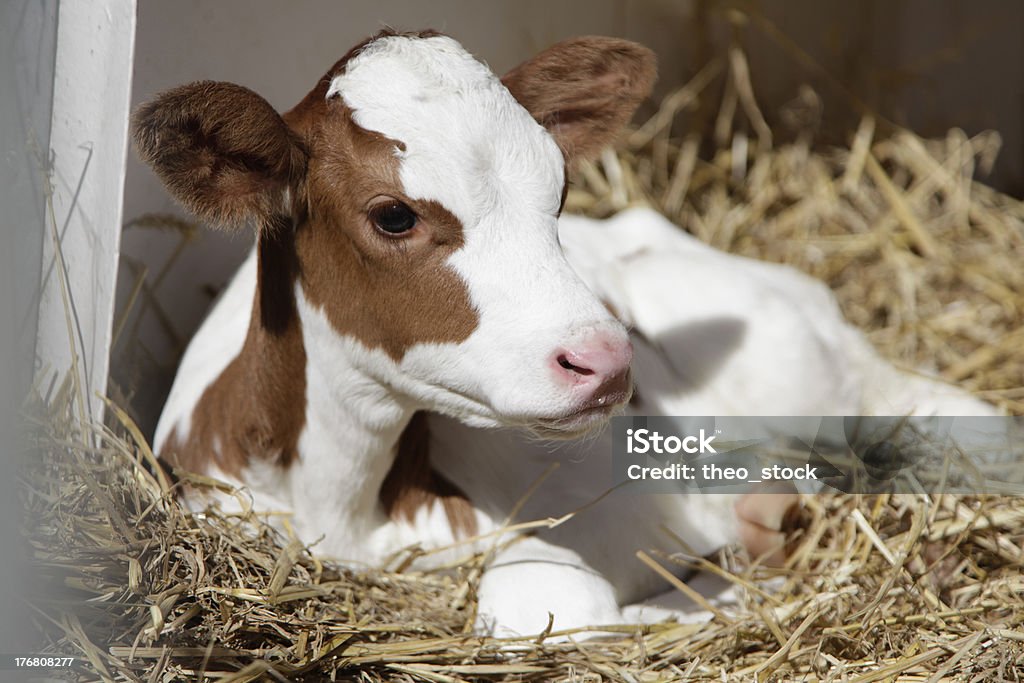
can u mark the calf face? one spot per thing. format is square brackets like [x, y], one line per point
[406, 212]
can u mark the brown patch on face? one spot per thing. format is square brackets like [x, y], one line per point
[257, 406]
[387, 292]
[412, 483]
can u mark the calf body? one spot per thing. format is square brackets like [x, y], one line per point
[408, 262]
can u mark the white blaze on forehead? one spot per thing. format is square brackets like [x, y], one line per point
[468, 143]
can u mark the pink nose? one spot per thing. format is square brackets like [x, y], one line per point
[598, 366]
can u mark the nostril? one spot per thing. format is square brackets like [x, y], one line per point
[564, 362]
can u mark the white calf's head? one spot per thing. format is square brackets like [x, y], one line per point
[407, 214]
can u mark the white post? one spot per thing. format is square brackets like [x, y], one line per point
[88, 143]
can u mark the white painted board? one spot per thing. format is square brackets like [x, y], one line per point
[88, 144]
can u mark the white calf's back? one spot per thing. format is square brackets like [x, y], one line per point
[739, 336]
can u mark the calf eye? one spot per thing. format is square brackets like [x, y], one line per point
[393, 218]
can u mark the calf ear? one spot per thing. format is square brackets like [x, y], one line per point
[221, 150]
[584, 90]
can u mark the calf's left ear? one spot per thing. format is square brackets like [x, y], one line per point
[584, 90]
[221, 150]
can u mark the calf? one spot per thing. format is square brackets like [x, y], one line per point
[407, 260]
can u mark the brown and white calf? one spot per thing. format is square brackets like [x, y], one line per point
[408, 294]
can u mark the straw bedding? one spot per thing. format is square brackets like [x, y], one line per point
[921, 256]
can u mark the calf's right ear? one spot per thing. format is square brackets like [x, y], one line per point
[584, 90]
[221, 150]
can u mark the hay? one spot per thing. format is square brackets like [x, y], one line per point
[921, 256]
[139, 590]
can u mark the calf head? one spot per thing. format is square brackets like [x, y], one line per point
[406, 212]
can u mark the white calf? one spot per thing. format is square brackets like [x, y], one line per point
[408, 260]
